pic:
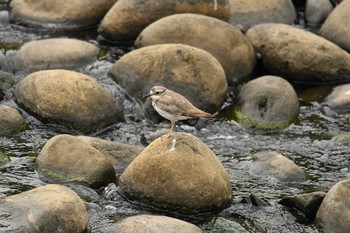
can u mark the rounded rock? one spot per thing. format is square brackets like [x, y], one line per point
[70, 159]
[68, 98]
[189, 71]
[333, 214]
[67, 15]
[316, 11]
[155, 224]
[127, 18]
[274, 164]
[298, 55]
[339, 99]
[11, 121]
[57, 53]
[246, 14]
[336, 28]
[186, 177]
[51, 208]
[268, 103]
[229, 46]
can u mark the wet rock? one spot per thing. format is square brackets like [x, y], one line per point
[71, 159]
[336, 28]
[189, 71]
[11, 121]
[229, 46]
[3, 159]
[220, 224]
[274, 164]
[51, 208]
[52, 14]
[155, 224]
[127, 18]
[57, 53]
[298, 55]
[186, 177]
[68, 98]
[316, 11]
[333, 214]
[6, 82]
[119, 154]
[268, 103]
[246, 14]
[307, 203]
[339, 99]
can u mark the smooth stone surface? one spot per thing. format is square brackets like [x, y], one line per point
[68, 158]
[268, 103]
[316, 11]
[119, 154]
[189, 71]
[68, 98]
[229, 46]
[339, 99]
[187, 178]
[155, 224]
[11, 121]
[68, 15]
[298, 55]
[47, 209]
[336, 28]
[307, 203]
[246, 14]
[57, 53]
[274, 164]
[334, 212]
[127, 18]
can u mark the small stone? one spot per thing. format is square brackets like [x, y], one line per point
[274, 164]
[229, 46]
[267, 103]
[68, 98]
[155, 224]
[339, 99]
[187, 178]
[316, 11]
[56, 53]
[68, 158]
[11, 121]
[192, 72]
[333, 214]
[298, 55]
[51, 208]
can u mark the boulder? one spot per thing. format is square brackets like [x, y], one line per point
[268, 103]
[339, 99]
[57, 53]
[298, 55]
[127, 18]
[51, 208]
[68, 158]
[119, 154]
[155, 224]
[316, 11]
[68, 98]
[334, 212]
[178, 172]
[246, 14]
[67, 15]
[229, 46]
[11, 121]
[189, 71]
[336, 28]
[275, 165]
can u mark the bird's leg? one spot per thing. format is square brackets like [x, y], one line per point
[172, 127]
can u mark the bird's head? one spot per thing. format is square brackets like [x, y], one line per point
[156, 92]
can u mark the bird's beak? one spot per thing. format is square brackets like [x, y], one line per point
[145, 96]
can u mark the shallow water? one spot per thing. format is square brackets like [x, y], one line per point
[308, 143]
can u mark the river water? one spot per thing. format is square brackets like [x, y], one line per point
[308, 142]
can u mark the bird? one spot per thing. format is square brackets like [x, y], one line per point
[174, 106]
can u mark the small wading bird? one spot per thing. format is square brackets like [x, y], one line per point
[173, 106]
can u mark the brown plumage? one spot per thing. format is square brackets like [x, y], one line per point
[173, 106]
